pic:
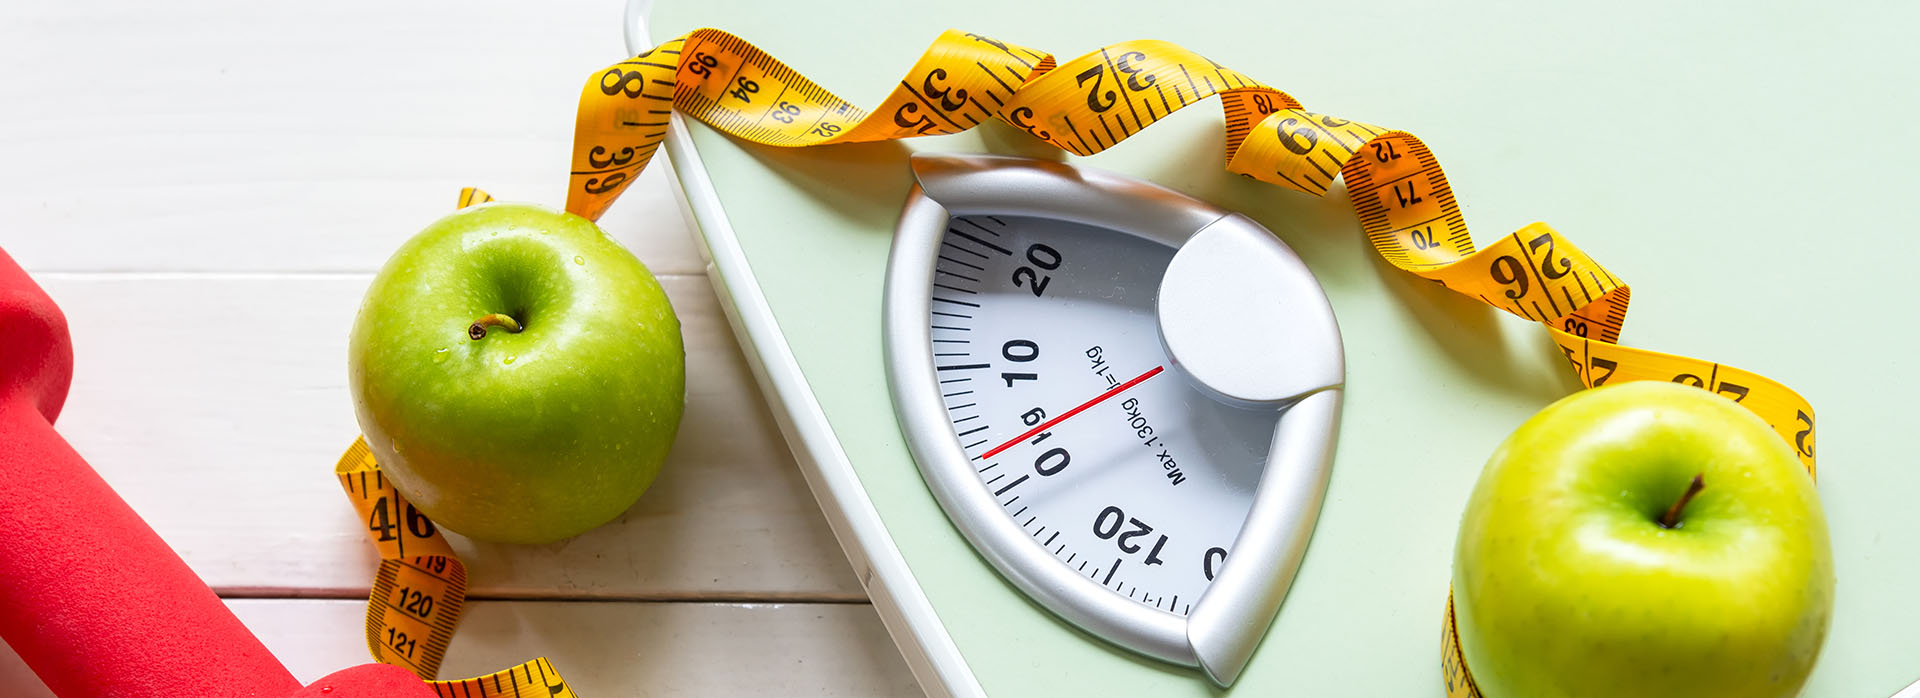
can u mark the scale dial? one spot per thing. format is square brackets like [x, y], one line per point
[1143, 490]
[1124, 398]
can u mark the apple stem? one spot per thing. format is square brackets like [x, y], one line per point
[479, 327]
[1672, 518]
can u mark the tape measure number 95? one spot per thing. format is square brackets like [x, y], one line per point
[1088, 104]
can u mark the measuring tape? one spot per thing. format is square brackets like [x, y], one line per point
[1095, 101]
[421, 586]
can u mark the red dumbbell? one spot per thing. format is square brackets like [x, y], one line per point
[90, 596]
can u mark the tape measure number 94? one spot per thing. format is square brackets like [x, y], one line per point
[1093, 102]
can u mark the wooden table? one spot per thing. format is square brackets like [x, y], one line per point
[207, 189]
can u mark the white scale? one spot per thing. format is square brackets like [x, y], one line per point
[1124, 398]
[1105, 577]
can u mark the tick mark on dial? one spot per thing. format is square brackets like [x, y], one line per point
[963, 249]
[956, 275]
[964, 264]
[978, 241]
[983, 228]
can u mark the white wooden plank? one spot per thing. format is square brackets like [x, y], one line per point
[217, 404]
[237, 135]
[605, 649]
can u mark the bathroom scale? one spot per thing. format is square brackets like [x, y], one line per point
[1129, 424]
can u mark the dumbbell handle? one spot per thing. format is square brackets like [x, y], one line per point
[90, 597]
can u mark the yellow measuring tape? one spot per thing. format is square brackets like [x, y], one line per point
[421, 586]
[1085, 106]
[1095, 101]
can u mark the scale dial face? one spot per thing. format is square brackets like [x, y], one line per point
[1144, 490]
[1124, 398]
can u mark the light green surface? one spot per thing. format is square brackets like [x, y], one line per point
[1742, 166]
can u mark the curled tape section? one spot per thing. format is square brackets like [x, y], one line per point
[421, 585]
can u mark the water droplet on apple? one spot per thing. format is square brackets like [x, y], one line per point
[577, 259]
[510, 359]
[440, 355]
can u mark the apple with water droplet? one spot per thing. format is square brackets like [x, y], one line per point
[1643, 539]
[518, 374]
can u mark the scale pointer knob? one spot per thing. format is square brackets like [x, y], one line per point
[1241, 316]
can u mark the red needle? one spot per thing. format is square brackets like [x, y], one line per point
[1049, 424]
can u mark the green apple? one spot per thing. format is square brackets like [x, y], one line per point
[1583, 568]
[518, 374]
